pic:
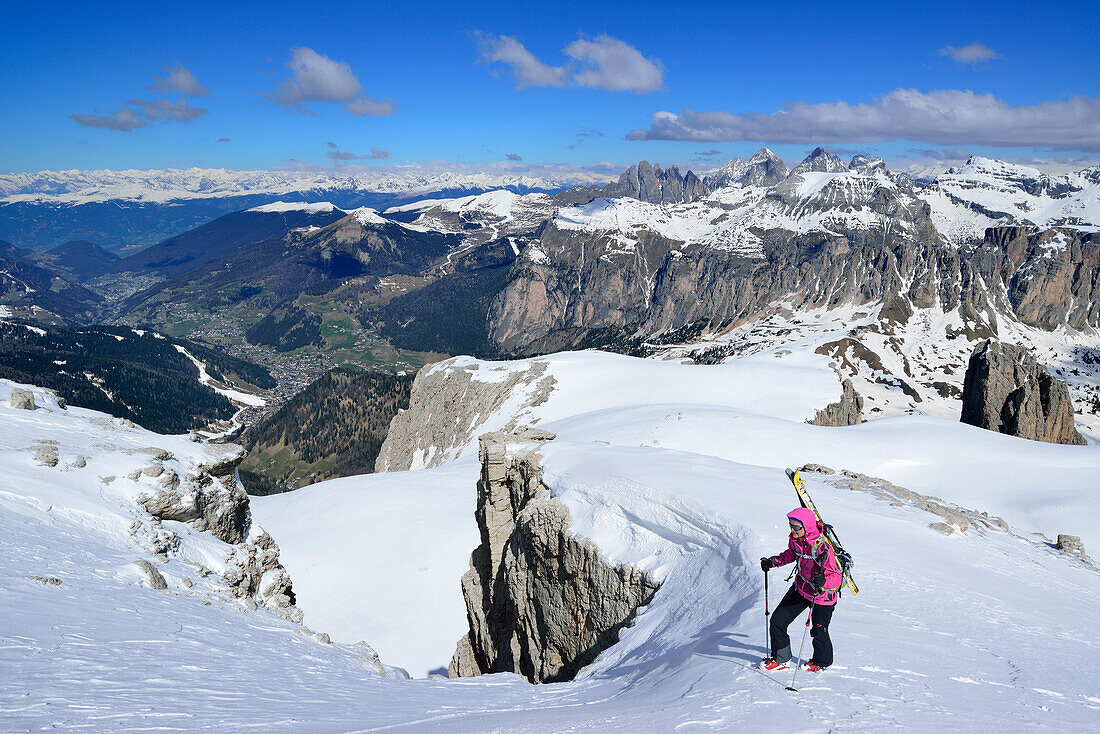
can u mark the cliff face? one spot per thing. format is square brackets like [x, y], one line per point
[449, 404]
[540, 601]
[1043, 279]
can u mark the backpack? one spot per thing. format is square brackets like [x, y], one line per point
[843, 558]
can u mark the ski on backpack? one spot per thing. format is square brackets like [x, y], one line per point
[843, 558]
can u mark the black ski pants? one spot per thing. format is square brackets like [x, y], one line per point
[794, 604]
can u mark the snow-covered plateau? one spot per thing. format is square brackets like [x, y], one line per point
[675, 469]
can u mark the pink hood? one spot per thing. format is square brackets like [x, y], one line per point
[808, 520]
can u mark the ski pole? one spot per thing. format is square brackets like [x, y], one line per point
[767, 625]
[809, 619]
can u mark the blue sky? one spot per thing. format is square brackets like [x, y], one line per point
[565, 84]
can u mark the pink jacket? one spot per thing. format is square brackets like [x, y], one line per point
[812, 552]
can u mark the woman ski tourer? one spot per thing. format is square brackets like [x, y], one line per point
[816, 587]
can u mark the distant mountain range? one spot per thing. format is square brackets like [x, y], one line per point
[85, 187]
[116, 208]
[653, 259]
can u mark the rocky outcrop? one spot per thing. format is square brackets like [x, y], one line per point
[540, 601]
[449, 404]
[209, 498]
[152, 575]
[952, 518]
[253, 572]
[21, 399]
[45, 452]
[866, 165]
[1007, 390]
[848, 411]
[1072, 545]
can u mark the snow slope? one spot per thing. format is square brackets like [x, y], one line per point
[85, 642]
[391, 578]
[949, 632]
[573, 379]
[915, 367]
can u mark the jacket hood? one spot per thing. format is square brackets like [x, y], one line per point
[808, 520]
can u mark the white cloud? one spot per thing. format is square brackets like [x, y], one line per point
[944, 117]
[972, 54]
[317, 78]
[368, 106]
[161, 109]
[603, 63]
[528, 70]
[613, 65]
[179, 80]
[125, 119]
[376, 154]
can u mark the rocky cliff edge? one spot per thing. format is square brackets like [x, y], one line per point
[540, 601]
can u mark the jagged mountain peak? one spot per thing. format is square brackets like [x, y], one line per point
[820, 160]
[651, 183]
[764, 168]
[867, 164]
[764, 154]
[729, 173]
[1091, 174]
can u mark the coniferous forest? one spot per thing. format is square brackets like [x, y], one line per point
[333, 428]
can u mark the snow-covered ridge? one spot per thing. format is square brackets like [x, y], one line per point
[320, 207]
[628, 216]
[824, 195]
[366, 215]
[988, 193]
[821, 194]
[499, 203]
[482, 217]
[720, 222]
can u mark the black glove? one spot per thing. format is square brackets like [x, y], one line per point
[818, 580]
[769, 563]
